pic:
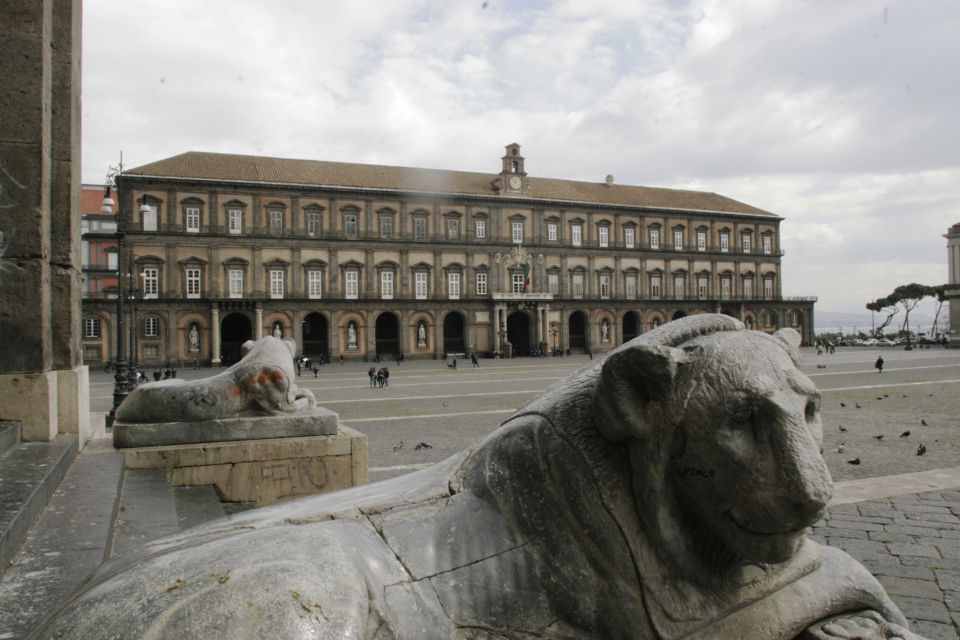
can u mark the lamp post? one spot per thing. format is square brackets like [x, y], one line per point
[121, 377]
[134, 363]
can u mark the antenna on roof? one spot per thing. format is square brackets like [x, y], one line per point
[609, 180]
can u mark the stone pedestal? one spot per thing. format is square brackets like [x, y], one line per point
[262, 471]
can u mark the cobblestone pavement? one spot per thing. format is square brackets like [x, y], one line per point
[912, 545]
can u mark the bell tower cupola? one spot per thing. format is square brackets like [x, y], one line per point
[513, 177]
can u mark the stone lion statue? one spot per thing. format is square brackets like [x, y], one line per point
[262, 382]
[662, 492]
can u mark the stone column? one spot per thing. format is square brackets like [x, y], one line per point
[496, 328]
[539, 325]
[42, 384]
[258, 321]
[215, 335]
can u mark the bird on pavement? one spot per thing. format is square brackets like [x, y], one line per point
[854, 461]
[921, 449]
[858, 406]
[923, 422]
[843, 429]
[840, 448]
[422, 445]
[842, 404]
[904, 434]
[879, 437]
[397, 446]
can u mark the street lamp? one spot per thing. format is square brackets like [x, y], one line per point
[121, 377]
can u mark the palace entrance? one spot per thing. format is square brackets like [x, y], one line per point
[235, 329]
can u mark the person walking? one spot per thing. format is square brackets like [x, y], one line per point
[473, 359]
[879, 364]
[373, 375]
[386, 377]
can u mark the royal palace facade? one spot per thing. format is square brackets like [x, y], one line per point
[364, 261]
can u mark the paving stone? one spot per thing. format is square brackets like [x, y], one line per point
[926, 508]
[949, 551]
[948, 580]
[830, 532]
[923, 609]
[936, 518]
[952, 600]
[910, 587]
[859, 526]
[915, 573]
[905, 549]
[878, 563]
[849, 509]
[881, 520]
[951, 564]
[884, 536]
[913, 527]
[934, 630]
[858, 548]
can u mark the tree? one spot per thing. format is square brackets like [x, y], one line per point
[907, 297]
[886, 305]
[940, 293]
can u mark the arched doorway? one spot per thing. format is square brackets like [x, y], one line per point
[631, 325]
[578, 330]
[387, 330]
[316, 336]
[678, 314]
[235, 329]
[518, 333]
[453, 332]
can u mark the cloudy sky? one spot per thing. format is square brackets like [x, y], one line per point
[842, 117]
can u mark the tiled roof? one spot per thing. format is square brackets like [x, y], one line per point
[237, 168]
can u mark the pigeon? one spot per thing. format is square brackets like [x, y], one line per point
[422, 445]
[886, 395]
[397, 446]
[843, 429]
[921, 449]
[879, 437]
[879, 397]
[840, 448]
[842, 404]
[923, 422]
[858, 406]
[444, 403]
[904, 396]
[854, 461]
[904, 434]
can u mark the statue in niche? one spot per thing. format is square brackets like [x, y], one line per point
[193, 339]
[605, 331]
[352, 335]
[278, 330]
[421, 334]
[660, 493]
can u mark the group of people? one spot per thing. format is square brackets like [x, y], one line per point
[830, 347]
[379, 377]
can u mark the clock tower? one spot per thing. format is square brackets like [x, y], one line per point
[513, 178]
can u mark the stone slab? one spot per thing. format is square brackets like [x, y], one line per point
[31, 400]
[73, 403]
[147, 510]
[262, 471]
[850, 491]
[9, 435]
[314, 422]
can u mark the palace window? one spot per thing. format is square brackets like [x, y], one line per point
[150, 218]
[386, 285]
[453, 229]
[276, 283]
[235, 283]
[724, 241]
[553, 283]
[420, 285]
[315, 284]
[151, 282]
[91, 328]
[726, 287]
[552, 231]
[481, 284]
[235, 221]
[453, 285]
[577, 287]
[516, 280]
[420, 228]
[655, 285]
[112, 259]
[480, 228]
[314, 223]
[679, 286]
[516, 232]
[386, 226]
[605, 285]
[351, 282]
[151, 327]
[350, 225]
[576, 234]
[193, 219]
[701, 240]
[629, 237]
[703, 287]
[603, 235]
[748, 287]
[678, 239]
[276, 221]
[654, 238]
[193, 282]
[746, 242]
[630, 284]
[768, 287]
[767, 243]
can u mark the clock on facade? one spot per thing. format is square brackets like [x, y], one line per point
[515, 183]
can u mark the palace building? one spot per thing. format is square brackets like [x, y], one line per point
[372, 261]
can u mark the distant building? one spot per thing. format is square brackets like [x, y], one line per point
[98, 278]
[372, 261]
[953, 282]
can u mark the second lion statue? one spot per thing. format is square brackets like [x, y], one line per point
[663, 492]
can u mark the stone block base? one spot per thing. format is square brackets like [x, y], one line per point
[315, 422]
[262, 471]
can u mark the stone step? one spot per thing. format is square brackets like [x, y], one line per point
[9, 435]
[29, 474]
